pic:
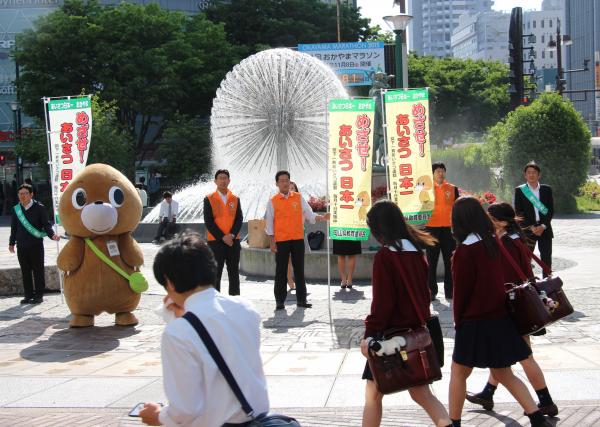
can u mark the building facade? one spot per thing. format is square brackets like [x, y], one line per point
[430, 31]
[482, 35]
[542, 24]
[582, 18]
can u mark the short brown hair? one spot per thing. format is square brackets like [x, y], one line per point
[27, 187]
[220, 171]
[532, 164]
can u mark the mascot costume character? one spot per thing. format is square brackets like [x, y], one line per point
[99, 210]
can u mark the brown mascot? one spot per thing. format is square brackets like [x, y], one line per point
[99, 210]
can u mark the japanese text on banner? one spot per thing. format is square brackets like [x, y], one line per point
[350, 166]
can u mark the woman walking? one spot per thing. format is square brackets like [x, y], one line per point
[400, 256]
[485, 336]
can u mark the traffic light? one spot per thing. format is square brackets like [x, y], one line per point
[561, 85]
[2, 159]
[515, 59]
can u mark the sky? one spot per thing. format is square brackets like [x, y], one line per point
[377, 9]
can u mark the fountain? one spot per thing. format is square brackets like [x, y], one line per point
[270, 113]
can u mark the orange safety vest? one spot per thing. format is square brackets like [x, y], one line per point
[224, 215]
[442, 210]
[288, 221]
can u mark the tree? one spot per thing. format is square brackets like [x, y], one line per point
[465, 95]
[551, 132]
[286, 23]
[150, 61]
[186, 148]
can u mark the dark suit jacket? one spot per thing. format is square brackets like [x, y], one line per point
[524, 208]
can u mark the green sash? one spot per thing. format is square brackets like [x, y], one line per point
[534, 200]
[137, 281]
[32, 230]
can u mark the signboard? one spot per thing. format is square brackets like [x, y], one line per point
[352, 62]
[69, 129]
[409, 156]
[597, 83]
[350, 162]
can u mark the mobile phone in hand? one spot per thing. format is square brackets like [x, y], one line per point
[135, 412]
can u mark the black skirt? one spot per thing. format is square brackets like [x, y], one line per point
[346, 247]
[489, 344]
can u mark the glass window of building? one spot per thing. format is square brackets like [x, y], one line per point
[542, 23]
[551, 54]
[534, 23]
[550, 23]
[543, 38]
[543, 54]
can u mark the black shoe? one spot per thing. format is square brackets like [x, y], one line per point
[26, 300]
[479, 399]
[280, 307]
[36, 300]
[549, 410]
[304, 304]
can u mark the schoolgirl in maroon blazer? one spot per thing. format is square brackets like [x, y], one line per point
[485, 336]
[400, 256]
[514, 240]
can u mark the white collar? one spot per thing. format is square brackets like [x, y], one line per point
[515, 236]
[30, 204]
[407, 246]
[202, 296]
[536, 188]
[471, 238]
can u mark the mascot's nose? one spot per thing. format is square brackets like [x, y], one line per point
[99, 217]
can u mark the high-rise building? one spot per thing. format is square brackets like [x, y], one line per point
[542, 24]
[482, 35]
[430, 31]
[582, 19]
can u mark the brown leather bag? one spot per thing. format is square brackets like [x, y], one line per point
[523, 302]
[552, 286]
[415, 364]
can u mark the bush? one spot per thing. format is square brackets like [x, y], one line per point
[589, 197]
[465, 167]
[551, 132]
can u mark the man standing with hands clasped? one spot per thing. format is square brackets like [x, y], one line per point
[535, 204]
[223, 219]
[28, 217]
[286, 212]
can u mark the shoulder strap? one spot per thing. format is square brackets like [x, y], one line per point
[511, 261]
[541, 263]
[106, 259]
[216, 355]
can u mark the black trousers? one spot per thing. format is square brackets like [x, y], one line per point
[31, 260]
[230, 255]
[446, 245]
[544, 243]
[295, 249]
[165, 228]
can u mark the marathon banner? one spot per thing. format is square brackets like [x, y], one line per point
[69, 130]
[409, 155]
[350, 163]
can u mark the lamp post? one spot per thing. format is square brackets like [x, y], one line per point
[561, 40]
[398, 24]
[16, 109]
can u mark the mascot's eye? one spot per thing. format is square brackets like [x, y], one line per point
[116, 196]
[78, 198]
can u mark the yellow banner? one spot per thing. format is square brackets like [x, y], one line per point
[409, 156]
[350, 162]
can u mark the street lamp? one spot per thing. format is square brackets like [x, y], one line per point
[16, 109]
[398, 24]
[561, 40]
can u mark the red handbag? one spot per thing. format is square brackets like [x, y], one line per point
[523, 302]
[552, 286]
[412, 365]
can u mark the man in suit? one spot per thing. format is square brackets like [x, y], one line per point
[223, 220]
[534, 203]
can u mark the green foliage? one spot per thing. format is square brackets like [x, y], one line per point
[286, 23]
[588, 198]
[465, 95]
[152, 62]
[186, 148]
[465, 167]
[551, 132]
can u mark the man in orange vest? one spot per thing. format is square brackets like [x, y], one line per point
[223, 220]
[439, 226]
[286, 212]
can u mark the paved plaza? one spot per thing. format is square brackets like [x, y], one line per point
[52, 375]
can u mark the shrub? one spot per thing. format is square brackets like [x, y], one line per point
[465, 166]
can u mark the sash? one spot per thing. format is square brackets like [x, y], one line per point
[32, 230]
[534, 200]
[137, 282]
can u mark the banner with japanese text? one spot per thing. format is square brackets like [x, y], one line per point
[350, 163]
[69, 132]
[409, 154]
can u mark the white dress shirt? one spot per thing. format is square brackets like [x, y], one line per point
[536, 193]
[307, 213]
[197, 392]
[30, 204]
[164, 210]
[223, 197]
